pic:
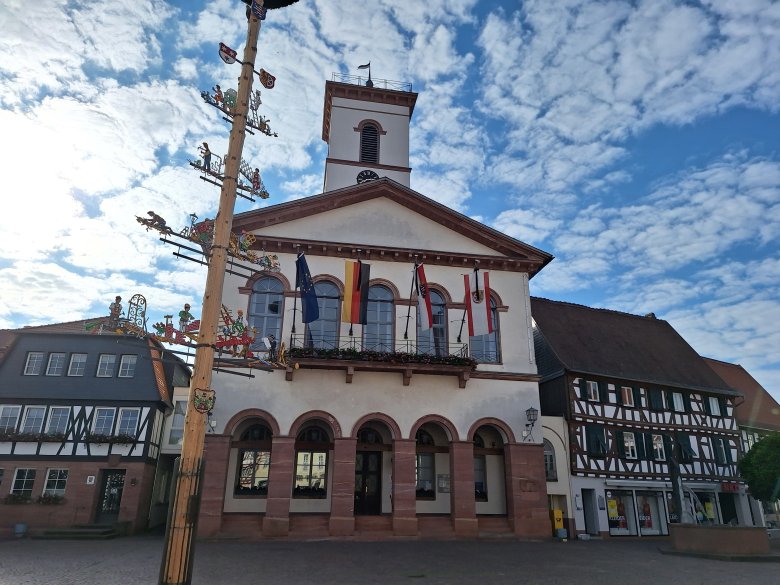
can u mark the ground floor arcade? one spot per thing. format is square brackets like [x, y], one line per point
[321, 480]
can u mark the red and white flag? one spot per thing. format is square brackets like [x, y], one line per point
[423, 298]
[478, 303]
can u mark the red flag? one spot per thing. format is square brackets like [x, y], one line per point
[478, 303]
[423, 298]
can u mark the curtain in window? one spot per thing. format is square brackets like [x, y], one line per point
[434, 340]
[324, 332]
[266, 308]
[378, 331]
[484, 348]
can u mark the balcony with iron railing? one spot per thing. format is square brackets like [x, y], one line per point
[407, 357]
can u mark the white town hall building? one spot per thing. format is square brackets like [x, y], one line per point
[392, 429]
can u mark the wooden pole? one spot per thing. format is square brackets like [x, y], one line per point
[178, 557]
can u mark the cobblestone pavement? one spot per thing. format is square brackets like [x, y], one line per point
[136, 561]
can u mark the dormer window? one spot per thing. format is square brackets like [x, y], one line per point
[369, 143]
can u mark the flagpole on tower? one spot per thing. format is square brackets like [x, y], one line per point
[369, 83]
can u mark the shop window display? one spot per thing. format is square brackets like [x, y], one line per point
[620, 513]
[650, 510]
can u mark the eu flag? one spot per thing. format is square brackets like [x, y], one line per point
[309, 306]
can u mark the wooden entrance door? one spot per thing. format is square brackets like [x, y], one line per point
[368, 483]
[111, 486]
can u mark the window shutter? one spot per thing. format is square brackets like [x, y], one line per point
[668, 447]
[686, 401]
[619, 394]
[722, 402]
[684, 441]
[727, 450]
[637, 396]
[640, 445]
[717, 447]
[656, 399]
[603, 392]
[621, 444]
[707, 407]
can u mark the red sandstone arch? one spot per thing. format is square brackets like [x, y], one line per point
[395, 430]
[244, 415]
[503, 428]
[316, 415]
[449, 428]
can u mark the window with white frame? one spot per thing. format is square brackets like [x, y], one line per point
[105, 367]
[103, 423]
[33, 419]
[24, 479]
[58, 420]
[659, 453]
[629, 445]
[56, 365]
[592, 390]
[56, 480]
[127, 366]
[128, 421]
[9, 416]
[34, 364]
[677, 402]
[78, 363]
[177, 422]
[627, 395]
[714, 405]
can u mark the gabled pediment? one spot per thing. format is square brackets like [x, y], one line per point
[384, 218]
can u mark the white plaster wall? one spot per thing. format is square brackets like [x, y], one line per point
[373, 392]
[339, 175]
[344, 141]
[378, 222]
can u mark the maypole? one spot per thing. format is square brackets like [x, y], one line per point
[178, 555]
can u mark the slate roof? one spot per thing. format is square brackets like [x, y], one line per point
[88, 329]
[759, 409]
[620, 345]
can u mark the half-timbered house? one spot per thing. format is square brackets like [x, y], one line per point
[758, 415]
[81, 420]
[379, 424]
[637, 399]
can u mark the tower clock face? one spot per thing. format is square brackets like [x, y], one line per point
[366, 175]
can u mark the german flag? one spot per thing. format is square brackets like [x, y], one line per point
[354, 309]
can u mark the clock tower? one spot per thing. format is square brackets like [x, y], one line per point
[367, 131]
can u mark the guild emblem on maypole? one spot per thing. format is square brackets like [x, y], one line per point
[203, 400]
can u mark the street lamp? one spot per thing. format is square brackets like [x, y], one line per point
[531, 415]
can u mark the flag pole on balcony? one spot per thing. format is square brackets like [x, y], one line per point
[411, 291]
[295, 296]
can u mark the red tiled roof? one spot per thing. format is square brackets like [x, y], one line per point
[759, 409]
[621, 345]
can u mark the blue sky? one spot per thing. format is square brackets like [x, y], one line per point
[636, 141]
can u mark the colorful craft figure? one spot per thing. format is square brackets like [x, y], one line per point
[206, 154]
[218, 97]
[185, 317]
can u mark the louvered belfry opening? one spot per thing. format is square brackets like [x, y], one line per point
[369, 144]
